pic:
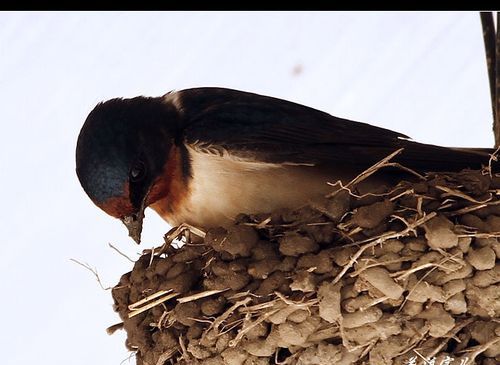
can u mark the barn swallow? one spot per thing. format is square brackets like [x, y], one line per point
[201, 156]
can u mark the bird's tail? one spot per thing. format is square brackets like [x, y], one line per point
[430, 158]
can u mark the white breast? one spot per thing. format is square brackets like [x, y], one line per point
[224, 186]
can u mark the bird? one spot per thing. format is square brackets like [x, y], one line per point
[203, 155]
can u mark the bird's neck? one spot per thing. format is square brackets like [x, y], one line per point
[169, 190]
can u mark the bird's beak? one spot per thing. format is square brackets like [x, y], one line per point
[133, 223]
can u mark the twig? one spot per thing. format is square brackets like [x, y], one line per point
[149, 298]
[227, 313]
[93, 271]
[352, 261]
[379, 240]
[160, 321]
[166, 355]
[185, 354]
[406, 192]
[358, 196]
[288, 360]
[426, 360]
[295, 303]
[368, 348]
[132, 354]
[368, 172]
[451, 334]
[433, 268]
[246, 329]
[471, 208]
[174, 234]
[121, 253]
[378, 263]
[197, 296]
[459, 194]
[481, 235]
[200, 320]
[177, 231]
[493, 157]
[263, 223]
[152, 304]
[259, 307]
[476, 350]
[489, 47]
[404, 168]
[230, 326]
[375, 301]
[394, 234]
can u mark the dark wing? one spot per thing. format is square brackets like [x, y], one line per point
[274, 130]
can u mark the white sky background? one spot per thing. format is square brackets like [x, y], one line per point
[423, 74]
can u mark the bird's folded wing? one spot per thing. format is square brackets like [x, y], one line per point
[272, 130]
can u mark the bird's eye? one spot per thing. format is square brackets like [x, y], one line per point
[138, 171]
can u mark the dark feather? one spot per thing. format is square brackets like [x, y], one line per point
[274, 130]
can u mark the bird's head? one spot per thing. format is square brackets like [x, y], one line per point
[121, 154]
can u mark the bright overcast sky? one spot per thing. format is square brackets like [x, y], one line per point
[422, 74]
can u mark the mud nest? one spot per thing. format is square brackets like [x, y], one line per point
[401, 274]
